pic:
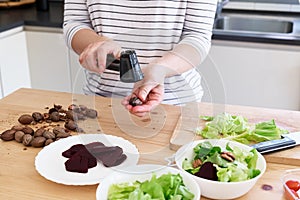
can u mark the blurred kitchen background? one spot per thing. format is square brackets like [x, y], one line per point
[254, 58]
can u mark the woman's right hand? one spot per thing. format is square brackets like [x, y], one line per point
[93, 57]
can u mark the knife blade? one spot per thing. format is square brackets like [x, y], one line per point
[287, 141]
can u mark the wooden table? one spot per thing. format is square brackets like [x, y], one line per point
[151, 135]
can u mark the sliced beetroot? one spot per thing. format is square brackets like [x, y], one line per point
[92, 161]
[93, 145]
[121, 159]
[77, 163]
[109, 159]
[72, 150]
[99, 150]
[82, 157]
[207, 171]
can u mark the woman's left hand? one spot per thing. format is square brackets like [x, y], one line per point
[150, 91]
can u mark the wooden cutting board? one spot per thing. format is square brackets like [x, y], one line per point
[188, 121]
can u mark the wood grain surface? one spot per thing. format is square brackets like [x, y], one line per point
[151, 135]
[188, 122]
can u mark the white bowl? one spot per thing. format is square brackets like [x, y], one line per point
[216, 189]
[142, 173]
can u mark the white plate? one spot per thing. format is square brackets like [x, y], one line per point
[50, 163]
[142, 173]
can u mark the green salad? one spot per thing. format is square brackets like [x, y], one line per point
[166, 187]
[237, 128]
[229, 165]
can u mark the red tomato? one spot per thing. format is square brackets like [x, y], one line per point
[293, 185]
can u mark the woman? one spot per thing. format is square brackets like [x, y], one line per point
[170, 37]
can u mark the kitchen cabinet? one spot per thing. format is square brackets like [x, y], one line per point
[14, 68]
[47, 57]
[243, 73]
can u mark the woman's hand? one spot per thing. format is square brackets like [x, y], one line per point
[150, 91]
[94, 55]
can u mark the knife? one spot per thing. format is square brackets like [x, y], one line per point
[288, 141]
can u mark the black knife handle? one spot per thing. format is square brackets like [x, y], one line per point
[274, 145]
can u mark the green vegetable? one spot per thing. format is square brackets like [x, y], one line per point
[207, 118]
[166, 187]
[242, 168]
[237, 128]
[224, 125]
[266, 131]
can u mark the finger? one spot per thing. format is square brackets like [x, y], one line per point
[142, 108]
[125, 101]
[140, 114]
[91, 61]
[144, 91]
[117, 53]
[101, 58]
[88, 60]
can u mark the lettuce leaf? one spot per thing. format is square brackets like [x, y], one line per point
[238, 129]
[224, 125]
[166, 187]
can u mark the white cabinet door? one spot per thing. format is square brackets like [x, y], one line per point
[48, 61]
[253, 74]
[13, 63]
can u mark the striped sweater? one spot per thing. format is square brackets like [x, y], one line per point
[151, 28]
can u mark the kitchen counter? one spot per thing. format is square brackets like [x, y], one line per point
[20, 180]
[27, 15]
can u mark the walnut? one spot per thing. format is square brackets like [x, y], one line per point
[228, 156]
[60, 132]
[49, 135]
[39, 132]
[57, 107]
[18, 127]
[63, 135]
[27, 138]
[28, 130]
[54, 116]
[37, 116]
[25, 119]
[38, 141]
[8, 135]
[19, 136]
[71, 125]
[196, 163]
[48, 141]
[91, 113]
[135, 101]
[71, 115]
[57, 130]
